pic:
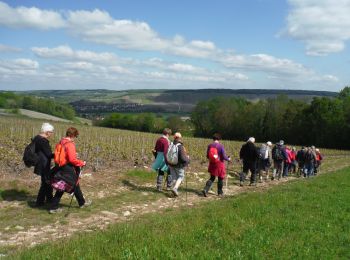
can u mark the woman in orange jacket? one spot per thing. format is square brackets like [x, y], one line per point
[68, 170]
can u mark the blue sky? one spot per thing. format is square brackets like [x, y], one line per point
[293, 44]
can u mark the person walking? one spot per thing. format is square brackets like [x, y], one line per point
[293, 164]
[249, 155]
[217, 157]
[265, 160]
[310, 160]
[42, 168]
[279, 156]
[160, 164]
[287, 162]
[178, 170]
[300, 157]
[319, 159]
[69, 172]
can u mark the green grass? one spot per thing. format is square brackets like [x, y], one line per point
[308, 219]
[142, 175]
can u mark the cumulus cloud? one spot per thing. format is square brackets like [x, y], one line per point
[24, 17]
[7, 48]
[66, 52]
[99, 27]
[322, 25]
[264, 63]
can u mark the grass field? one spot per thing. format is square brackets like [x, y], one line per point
[308, 219]
[122, 187]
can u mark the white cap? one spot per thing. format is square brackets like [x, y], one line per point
[46, 127]
[269, 143]
[251, 139]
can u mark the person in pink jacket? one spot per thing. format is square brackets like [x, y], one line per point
[287, 161]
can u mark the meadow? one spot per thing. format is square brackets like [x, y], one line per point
[301, 220]
[126, 205]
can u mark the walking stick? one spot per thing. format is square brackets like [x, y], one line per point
[226, 188]
[186, 187]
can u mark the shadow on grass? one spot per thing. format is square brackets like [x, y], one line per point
[15, 195]
[141, 188]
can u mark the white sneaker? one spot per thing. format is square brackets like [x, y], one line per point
[86, 204]
[174, 191]
[54, 211]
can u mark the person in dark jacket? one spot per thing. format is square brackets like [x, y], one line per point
[279, 155]
[300, 157]
[178, 171]
[249, 155]
[43, 150]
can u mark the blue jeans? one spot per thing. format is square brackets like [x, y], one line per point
[308, 169]
[177, 173]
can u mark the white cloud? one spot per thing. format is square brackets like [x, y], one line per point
[323, 25]
[18, 68]
[24, 17]
[6, 48]
[264, 63]
[66, 52]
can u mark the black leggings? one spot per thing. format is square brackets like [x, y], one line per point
[77, 193]
[220, 183]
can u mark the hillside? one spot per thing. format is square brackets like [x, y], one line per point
[163, 101]
[122, 187]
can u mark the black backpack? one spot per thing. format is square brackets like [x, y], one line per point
[30, 157]
[277, 153]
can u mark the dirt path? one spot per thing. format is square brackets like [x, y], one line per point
[100, 220]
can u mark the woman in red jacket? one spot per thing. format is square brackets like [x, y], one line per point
[69, 172]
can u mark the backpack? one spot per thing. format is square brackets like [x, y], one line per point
[30, 157]
[262, 152]
[309, 156]
[172, 154]
[60, 157]
[277, 154]
[213, 155]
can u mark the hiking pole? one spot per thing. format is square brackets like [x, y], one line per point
[226, 188]
[72, 194]
[186, 187]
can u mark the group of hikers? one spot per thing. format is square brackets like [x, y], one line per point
[171, 159]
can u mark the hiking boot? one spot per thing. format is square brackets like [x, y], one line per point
[159, 188]
[86, 204]
[241, 183]
[207, 187]
[221, 194]
[252, 184]
[174, 191]
[54, 211]
[168, 188]
[205, 194]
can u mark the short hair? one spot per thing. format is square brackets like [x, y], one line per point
[216, 136]
[177, 135]
[167, 131]
[72, 132]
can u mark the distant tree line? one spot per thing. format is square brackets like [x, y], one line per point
[145, 122]
[10, 100]
[324, 122]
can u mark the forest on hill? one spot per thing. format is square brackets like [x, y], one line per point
[12, 101]
[92, 102]
[324, 122]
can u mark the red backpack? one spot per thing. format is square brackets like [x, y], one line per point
[213, 155]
